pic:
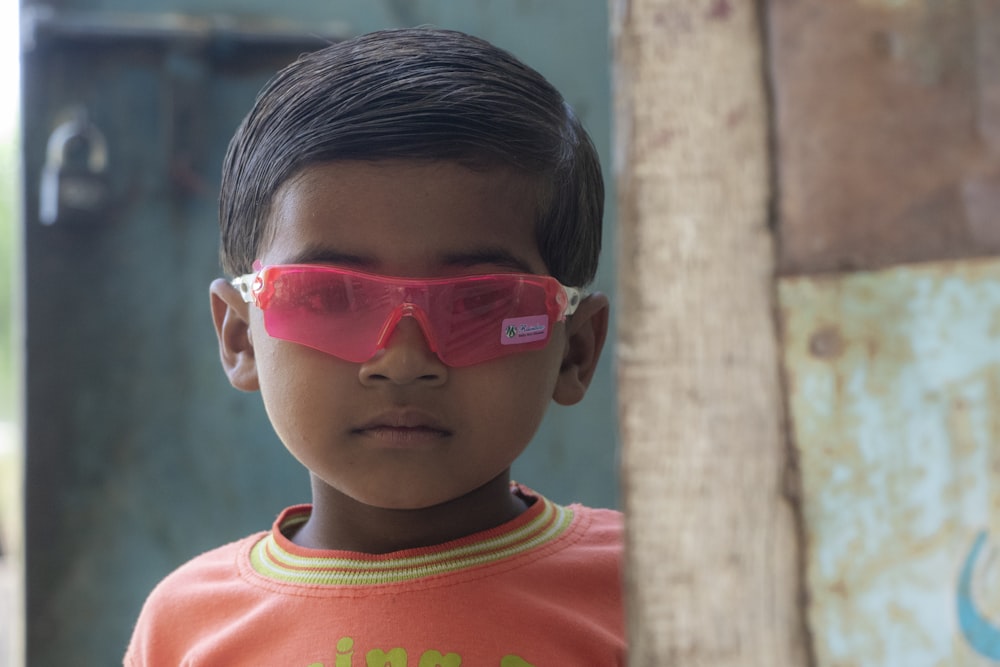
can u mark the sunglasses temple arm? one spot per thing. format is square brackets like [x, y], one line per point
[243, 284]
[574, 296]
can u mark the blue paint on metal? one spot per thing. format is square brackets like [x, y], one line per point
[894, 379]
[982, 636]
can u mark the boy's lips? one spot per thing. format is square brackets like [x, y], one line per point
[403, 425]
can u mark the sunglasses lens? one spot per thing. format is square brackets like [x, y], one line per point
[329, 311]
[482, 314]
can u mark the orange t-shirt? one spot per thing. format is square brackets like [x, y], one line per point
[542, 590]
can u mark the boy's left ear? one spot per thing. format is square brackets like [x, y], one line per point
[232, 327]
[586, 331]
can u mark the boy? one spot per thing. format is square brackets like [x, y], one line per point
[409, 218]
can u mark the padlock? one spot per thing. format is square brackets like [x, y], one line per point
[74, 186]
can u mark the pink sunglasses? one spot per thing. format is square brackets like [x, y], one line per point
[350, 314]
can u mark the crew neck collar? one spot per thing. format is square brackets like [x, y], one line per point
[277, 558]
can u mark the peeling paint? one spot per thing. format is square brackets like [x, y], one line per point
[894, 389]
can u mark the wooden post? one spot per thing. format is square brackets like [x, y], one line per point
[713, 566]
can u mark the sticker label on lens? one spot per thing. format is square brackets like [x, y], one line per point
[518, 330]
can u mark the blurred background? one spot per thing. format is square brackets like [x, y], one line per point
[11, 543]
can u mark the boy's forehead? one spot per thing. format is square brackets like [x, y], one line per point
[408, 214]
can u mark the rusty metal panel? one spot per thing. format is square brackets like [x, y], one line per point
[887, 125]
[894, 396]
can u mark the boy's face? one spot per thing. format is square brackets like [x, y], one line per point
[402, 430]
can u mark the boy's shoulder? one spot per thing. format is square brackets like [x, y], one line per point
[603, 521]
[188, 595]
[602, 528]
[592, 548]
[205, 570]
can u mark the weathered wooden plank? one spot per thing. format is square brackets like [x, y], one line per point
[712, 565]
[887, 117]
[893, 384]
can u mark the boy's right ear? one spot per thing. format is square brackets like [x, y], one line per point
[231, 315]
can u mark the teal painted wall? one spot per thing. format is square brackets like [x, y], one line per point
[139, 454]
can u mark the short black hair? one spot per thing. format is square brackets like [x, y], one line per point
[416, 94]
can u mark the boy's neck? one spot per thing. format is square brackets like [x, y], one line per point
[339, 522]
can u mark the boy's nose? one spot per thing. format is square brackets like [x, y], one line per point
[406, 358]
